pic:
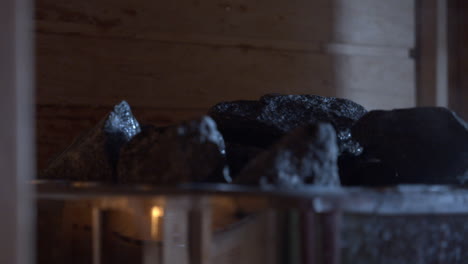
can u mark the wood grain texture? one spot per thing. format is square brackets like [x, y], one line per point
[191, 54]
[366, 22]
[175, 233]
[255, 246]
[462, 104]
[458, 56]
[426, 46]
[96, 71]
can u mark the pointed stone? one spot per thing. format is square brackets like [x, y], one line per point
[93, 156]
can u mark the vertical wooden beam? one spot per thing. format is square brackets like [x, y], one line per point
[294, 237]
[331, 236]
[272, 254]
[442, 90]
[309, 236]
[458, 56]
[175, 241]
[432, 53]
[96, 223]
[16, 131]
[200, 231]
[462, 96]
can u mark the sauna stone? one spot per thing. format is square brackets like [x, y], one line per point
[423, 145]
[365, 170]
[307, 155]
[192, 151]
[93, 156]
[239, 155]
[261, 123]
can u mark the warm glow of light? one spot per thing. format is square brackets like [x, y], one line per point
[157, 211]
[156, 217]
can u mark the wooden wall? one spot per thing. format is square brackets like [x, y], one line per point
[458, 56]
[171, 60]
[462, 103]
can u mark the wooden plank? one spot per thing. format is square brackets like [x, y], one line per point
[426, 52]
[374, 82]
[272, 237]
[360, 50]
[154, 74]
[200, 231]
[371, 22]
[432, 53]
[96, 241]
[331, 236]
[366, 22]
[308, 224]
[17, 132]
[462, 105]
[458, 56]
[244, 242]
[175, 244]
[380, 101]
[442, 54]
[265, 44]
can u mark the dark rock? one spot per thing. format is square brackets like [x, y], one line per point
[238, 156]
[261, 123]
[93, 156]
[191, 152]
[365, 171]
[307, 155]
[239, 122]
[424, 145]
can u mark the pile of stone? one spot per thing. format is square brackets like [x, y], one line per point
[276, 141]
